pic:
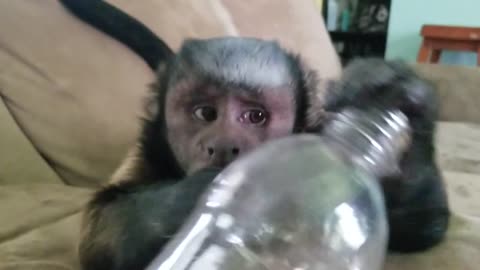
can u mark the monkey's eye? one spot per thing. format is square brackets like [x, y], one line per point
[205, 113]
[256, 117]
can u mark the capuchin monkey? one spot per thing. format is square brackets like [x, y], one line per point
[216, 99]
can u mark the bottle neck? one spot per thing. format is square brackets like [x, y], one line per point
[372, 139]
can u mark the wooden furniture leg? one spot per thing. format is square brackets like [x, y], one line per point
[435, 58]
[423, 54]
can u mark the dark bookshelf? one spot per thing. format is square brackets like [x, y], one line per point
[355, 42]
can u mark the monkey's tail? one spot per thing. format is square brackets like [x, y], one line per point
[121, 27]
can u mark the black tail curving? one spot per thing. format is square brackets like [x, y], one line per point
[121, 26]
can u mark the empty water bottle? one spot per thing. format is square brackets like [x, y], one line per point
[299, 203]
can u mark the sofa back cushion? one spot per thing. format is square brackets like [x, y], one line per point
[77, 94]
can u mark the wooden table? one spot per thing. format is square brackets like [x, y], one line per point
[438, 37]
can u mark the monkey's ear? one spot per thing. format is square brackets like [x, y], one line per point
[152, 101]
[151, 106]
[315, 90]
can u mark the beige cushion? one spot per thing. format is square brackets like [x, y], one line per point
[458, 90]
[459, 147]
[174, 21]
[297, 24]
[458, 154]
[19, 160]
[40, 226]
[73, 92]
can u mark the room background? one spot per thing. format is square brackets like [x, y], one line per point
[408, 16]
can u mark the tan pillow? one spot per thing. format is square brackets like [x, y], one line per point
[175, 20]
[73, 91]
[20, 162]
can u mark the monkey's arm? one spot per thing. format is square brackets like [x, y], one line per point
[127, 224]
[416, 200]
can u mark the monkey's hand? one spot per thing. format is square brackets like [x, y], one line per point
[375, 82]
[128, 224]
[416, 200]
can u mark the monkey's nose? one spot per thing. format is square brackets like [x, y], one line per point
[231, 152]
[221, 155]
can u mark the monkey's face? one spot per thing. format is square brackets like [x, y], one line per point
[225, 96]
[209, 126]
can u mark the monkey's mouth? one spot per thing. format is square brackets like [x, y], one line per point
[219, 164]
[209, 166]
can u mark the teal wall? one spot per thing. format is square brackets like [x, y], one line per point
[408, 16]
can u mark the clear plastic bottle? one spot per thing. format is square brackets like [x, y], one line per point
[299, 203]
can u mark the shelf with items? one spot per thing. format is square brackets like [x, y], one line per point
[358, 28]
